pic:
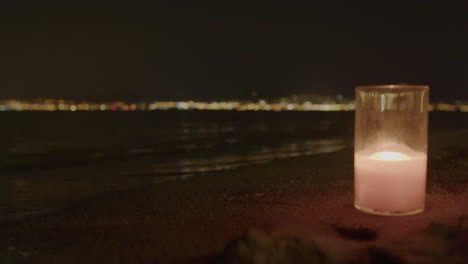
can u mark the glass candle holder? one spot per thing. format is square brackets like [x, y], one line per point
[390, 158]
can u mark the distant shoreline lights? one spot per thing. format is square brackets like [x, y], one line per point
[278, 105]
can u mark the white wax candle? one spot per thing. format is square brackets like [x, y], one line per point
[390, 181]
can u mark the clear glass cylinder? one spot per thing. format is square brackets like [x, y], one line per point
[390, 156]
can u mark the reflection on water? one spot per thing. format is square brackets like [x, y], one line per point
[188, 167]
[71, 156]
[26, 200]
[33, 192]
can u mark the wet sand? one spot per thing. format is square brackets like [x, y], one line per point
[297, 210]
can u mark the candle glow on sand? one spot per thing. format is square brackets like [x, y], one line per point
[390, 181]
[390, 159]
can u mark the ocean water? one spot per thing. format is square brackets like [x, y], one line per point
[50, 160]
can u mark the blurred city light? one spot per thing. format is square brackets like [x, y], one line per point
[292, 103]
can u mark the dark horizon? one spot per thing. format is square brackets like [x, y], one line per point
[156, 52]
[202, 99]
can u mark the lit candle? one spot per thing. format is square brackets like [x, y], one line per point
[390, 181]
[390, 150]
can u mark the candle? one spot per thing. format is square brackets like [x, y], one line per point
[390, 149]
[390, 181]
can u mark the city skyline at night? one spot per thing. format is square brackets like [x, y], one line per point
[301, 102]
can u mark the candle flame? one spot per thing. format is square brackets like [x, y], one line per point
[388, 155]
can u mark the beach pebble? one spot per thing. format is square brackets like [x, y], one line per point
[256, 247]
[441, 230]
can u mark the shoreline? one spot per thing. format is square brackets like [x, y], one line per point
[304, 202]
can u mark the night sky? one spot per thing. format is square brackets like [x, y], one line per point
[226, 51]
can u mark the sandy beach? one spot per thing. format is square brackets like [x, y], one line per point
[297, 210]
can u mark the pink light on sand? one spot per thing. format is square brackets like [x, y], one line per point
[390, 158]
[389, 181]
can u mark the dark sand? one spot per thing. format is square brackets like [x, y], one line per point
[298, 210]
